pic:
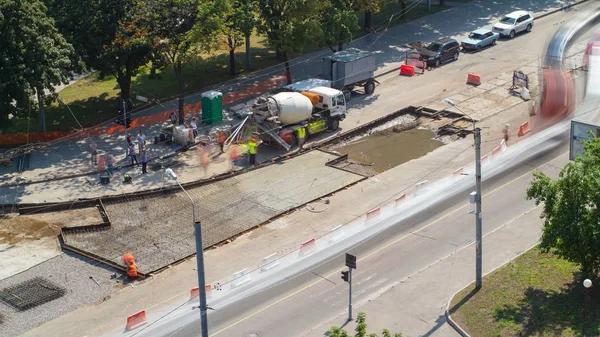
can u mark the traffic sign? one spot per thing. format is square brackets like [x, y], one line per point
[350, 261]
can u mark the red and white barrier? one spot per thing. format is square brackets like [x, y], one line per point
[136, 320]
[336, 234]
[458, 172]
[485, 160]
[195, 292]
[373, 213]
[240, 277]
[399, 199]
[270, 262]
[503, 145]
[307, 248]
[496, 151]
[421, 186]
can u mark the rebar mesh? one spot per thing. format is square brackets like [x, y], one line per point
[31, 293]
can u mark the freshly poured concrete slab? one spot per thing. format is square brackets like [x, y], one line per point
[158, 230]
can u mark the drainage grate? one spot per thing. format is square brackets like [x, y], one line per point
[31, 293]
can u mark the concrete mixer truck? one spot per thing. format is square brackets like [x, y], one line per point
[281, 116]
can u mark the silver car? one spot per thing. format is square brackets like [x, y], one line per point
[513, 23]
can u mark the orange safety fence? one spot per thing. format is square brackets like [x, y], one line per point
[17, 139]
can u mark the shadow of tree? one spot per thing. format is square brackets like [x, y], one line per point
[554, 313]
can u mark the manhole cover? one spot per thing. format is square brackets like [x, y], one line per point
[31, 293]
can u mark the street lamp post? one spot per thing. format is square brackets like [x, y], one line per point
[478, 218]
[587, 283]
[199, 258]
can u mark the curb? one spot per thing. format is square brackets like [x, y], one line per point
[447, 314]
[559, 9]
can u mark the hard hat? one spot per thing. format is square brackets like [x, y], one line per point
[253, 139]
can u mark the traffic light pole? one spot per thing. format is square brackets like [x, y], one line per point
[350, 294]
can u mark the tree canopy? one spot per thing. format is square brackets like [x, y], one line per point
[34, 56]
[571, 210]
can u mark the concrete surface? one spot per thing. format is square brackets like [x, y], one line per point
[158, 230]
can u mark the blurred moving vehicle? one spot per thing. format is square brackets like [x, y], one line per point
[480, 38]
[593, 44]
[513, 23]
[440, 51]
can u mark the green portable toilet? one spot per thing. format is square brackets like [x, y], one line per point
[212, 107]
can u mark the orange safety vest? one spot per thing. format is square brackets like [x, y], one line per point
[132, 270]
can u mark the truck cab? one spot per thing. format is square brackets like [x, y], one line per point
[330, 99]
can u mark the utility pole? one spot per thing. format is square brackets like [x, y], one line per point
[478, 220]
[201, 279]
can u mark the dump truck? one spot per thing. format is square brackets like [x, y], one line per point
[281, 115]
[351, 68]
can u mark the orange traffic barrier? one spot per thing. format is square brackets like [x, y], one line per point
[484, 160]
[136, 320]
[308, 247]
[473, 79]
[496, 151]
[407, 70]
[373, 212]
[458, 172]
[524, 129]
[195, 292]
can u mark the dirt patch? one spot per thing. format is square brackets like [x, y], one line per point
[15, 228]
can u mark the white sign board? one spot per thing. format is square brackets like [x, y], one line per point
[580, 131]
[141, 98]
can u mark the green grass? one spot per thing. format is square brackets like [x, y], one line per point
[93, 100]
[535, 295]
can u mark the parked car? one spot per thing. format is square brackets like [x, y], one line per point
[440, 51]
[480, 38]
[515, 22]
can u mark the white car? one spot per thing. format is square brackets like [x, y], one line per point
[515, 22]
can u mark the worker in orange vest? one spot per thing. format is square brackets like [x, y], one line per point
[132, 270]
[221, 140]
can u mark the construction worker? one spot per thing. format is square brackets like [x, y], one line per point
[252, 151]
[132, 270]
[221, 139]
[301, 136]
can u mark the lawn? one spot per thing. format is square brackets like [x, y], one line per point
[534, 295]
[93, 100]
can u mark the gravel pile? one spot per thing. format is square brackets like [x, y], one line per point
[68, 271]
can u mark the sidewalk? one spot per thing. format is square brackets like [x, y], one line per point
[71, 157]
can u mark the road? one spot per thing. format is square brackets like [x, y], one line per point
[305, 303]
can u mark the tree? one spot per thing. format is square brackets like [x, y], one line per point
[239, 18]
[369, 7]
[291, 25]
[339, 23]
[571, 210]
[171, 23]
[360, 330]
[34, 57]
[108, 35]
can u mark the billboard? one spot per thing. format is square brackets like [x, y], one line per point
[580, 131]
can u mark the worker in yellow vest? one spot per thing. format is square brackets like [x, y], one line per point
[252, 151]
[301, 136]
